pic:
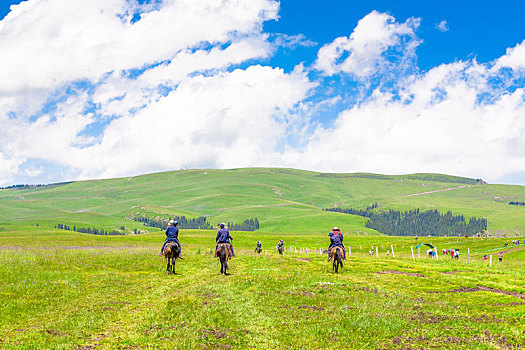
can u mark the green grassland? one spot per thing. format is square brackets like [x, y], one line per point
[65, 290]
[284, 200]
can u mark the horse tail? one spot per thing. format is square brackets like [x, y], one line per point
[223, 256]
[339, 257]
[176, 251]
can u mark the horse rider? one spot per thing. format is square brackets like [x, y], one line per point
[336, 241]
[280, 244]
[172, 235]
[223, 236]
[337, 232]
[259, 245]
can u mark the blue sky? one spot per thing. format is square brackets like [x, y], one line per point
[112, 88]
[481, 29]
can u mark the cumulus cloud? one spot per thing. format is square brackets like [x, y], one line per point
[362, 54]
[226, 120]
[438, 123]
[442, 26]
[122, 96]
[514, 57]
[47, 43]
[115, 88]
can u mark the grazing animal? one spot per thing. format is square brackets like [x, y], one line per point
[171, 253]
[336, 253]
[223, 253]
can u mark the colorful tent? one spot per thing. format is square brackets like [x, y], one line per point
[427, 244]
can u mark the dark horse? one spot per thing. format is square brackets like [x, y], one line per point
[223, 253]
[280, 249]
[171, 253]
[336, 253]
[258, 250]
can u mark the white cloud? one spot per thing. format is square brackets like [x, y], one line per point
[439, 125]
[361, 54]
[292, 41]
[8, 169]
[51, 42]
[442, 26]
[227, 120]
[191, 107]
[514, 57]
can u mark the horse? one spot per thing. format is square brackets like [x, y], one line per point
[336, 253]
[258, 250]
[171, 253]
[280, 249]
[223, 253]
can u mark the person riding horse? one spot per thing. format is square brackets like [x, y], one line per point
[258, 249]
[223, 236]
[280, 246]
[172, 235]
[336, 242]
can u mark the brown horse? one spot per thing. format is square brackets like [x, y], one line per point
[280, 249]
[258, 250]
[223, 253]
[171, 253]
[336, 253]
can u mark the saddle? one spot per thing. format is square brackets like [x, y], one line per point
[333, 250]
[168, 248]
[225, 245]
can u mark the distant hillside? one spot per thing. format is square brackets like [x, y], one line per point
[283, 200]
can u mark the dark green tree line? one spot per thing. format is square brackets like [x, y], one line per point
[416, 222]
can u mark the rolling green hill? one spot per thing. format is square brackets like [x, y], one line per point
[284, 200]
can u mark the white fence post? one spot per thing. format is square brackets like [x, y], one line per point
[349, 251]
[437, 256]
[377, 253]
[412, 249]
[468, 250]
[490, 259]
[393, 254]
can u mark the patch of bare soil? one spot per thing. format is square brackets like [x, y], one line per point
[127, 247]
[435, 191]
[304, 259]
[513, 250]
[311, 307]
[400, 273]
[486, 337]
[482, 289]
[454, 272]
[54, 332]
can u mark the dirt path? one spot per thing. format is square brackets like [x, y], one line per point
[513, 250]
[435, 191]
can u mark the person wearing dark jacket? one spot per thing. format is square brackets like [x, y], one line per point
[336, 240]
[223, 236]
[172, 235]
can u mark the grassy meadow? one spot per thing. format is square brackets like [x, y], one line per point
[66, 290]
[284, 200]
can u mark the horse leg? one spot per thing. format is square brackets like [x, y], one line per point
[167, 266]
